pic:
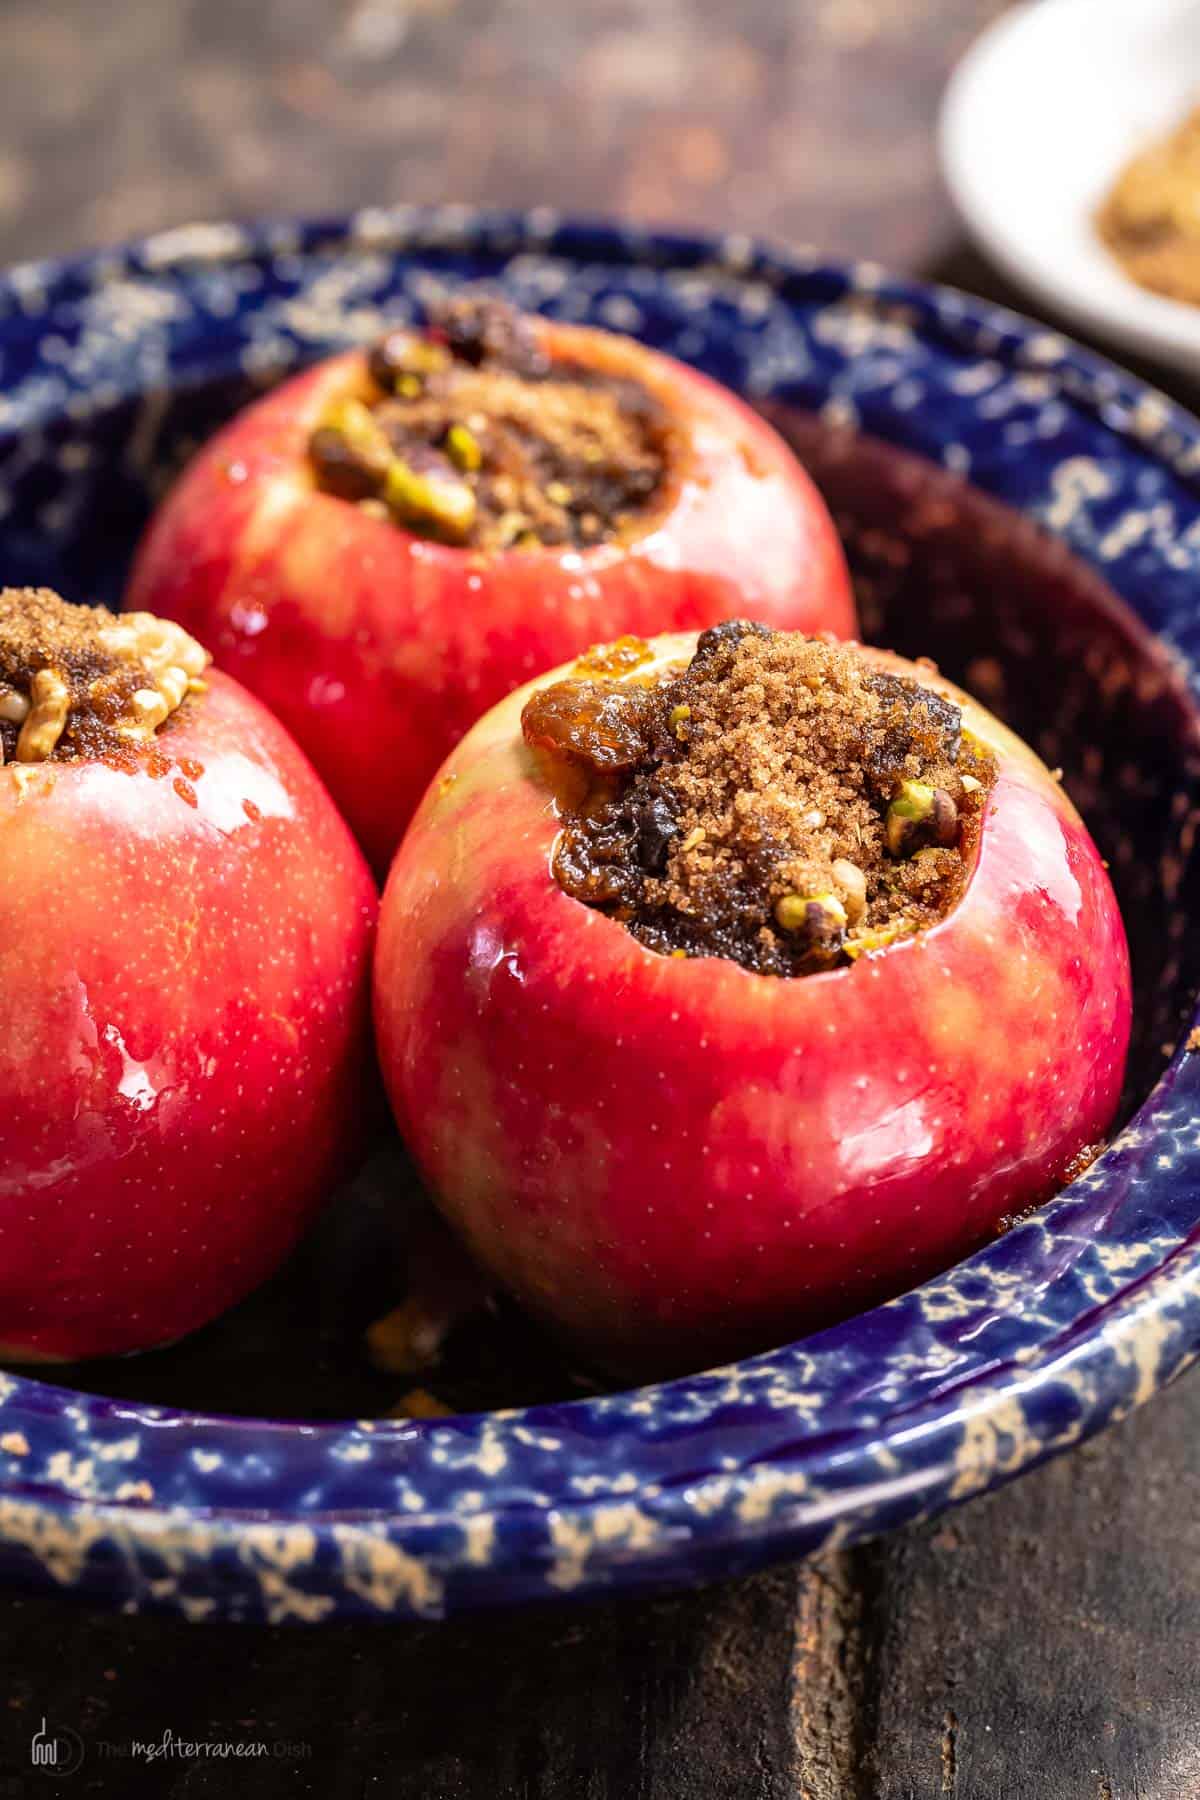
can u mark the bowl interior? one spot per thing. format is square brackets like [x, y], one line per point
[940, 569]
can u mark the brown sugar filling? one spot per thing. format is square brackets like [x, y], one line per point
[473, 436]
[781, 802]
[80, 681]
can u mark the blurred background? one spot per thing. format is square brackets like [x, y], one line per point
[811, 121]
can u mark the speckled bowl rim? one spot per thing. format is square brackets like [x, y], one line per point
[1031, 1345]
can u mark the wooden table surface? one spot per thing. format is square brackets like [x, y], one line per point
[1040, 1644]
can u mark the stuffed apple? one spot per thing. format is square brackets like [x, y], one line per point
[728, 985]
[185, 933]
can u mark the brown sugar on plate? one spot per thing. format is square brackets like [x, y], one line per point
[1150, 219]
[472, 436]
[782, 801]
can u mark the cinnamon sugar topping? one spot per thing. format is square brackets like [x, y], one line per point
[782, 802]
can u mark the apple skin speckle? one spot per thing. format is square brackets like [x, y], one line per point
[184, 1035]
[588, 1113]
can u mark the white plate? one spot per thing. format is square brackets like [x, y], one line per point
[1039, 117]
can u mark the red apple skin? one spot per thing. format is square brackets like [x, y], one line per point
[672, 1161]
[378, 649]
[184, 1027]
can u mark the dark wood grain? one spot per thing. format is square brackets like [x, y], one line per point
[685, 1696]
[1042, 1643]
[810, 120]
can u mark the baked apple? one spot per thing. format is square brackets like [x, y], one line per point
[728, 985]
[390, 542]
[185, 932]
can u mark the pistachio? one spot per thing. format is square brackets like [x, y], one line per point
[422, 498]
[350, 450]
[679, 717]
[353, 420]
[462, 447]
[400, 361]
[919, 814]
[819, 918]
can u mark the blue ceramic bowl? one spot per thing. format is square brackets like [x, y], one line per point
[114, 363]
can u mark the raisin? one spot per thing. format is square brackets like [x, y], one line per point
[654, 826]
[726, 636]
[478, 331]
[917, 722]
[606, 727]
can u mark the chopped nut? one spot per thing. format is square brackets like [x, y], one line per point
[51, 702]
[95, 679]
[421, 498]
[14, 707]
[353, 422]
[917, 815]
[403, 358]
[463, 448]
[821, 918]
[853, 886]
[149, 708]
[174, 662]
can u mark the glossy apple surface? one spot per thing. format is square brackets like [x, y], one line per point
[672, 1160]
[184, 1031]
[378, 648]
